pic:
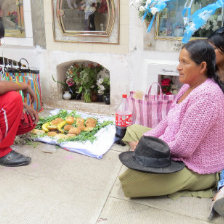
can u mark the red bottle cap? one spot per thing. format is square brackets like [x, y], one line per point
[124, 96]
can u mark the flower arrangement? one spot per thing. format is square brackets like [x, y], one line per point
[169, 85]
[149, 8]
[83, 78]
[212, 24]
[166, 86]
[141, 6]
[86, 80]
[103, 82]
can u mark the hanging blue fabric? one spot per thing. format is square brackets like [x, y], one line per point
[151, 23]
[148, 9]
[154, 7]
[199, 18]
[187, 11]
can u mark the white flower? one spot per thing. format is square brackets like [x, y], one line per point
[154, 10]
[192, 27]
[148, 2]
[100, 92]
[103, 73]
[131, 3]
[135, 3]
[141, 9]
[205, 15]
[215, 28]
[99, 81]
[207, 26]
[214, 23]
[101, 89]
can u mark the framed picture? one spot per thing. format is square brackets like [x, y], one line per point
[94, 21]
[13, 18]
[170, 24]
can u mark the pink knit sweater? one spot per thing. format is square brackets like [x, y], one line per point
[194, 128]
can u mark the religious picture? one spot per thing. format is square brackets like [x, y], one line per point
[169, 23]
[84, 15]
[12, 13]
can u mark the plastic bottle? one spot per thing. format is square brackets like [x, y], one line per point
[123, 119]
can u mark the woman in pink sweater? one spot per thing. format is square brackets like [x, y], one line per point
[193, 129]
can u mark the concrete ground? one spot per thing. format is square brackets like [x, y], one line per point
[61, 187]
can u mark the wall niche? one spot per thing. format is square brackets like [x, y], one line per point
[86, 81]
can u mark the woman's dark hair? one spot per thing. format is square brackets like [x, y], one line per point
[217, 39]
[201, 50]
[2, 29]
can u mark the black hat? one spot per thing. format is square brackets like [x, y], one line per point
[151, 155]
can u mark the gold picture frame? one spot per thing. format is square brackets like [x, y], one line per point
[81, 27]
[176, 26]
[13, 18]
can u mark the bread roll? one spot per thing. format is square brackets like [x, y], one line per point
[75, 131]
[79, 121]
[68, 127]
[91, 122]
[52, 133]
[56, 121]
[70, 120]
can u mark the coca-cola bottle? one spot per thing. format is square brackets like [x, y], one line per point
[123, 119]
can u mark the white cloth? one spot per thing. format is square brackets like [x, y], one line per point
[103, 142]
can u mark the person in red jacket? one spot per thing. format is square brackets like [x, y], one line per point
[16, 118]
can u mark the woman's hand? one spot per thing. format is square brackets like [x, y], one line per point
[32, 112]
[29, 91]
[133, 145]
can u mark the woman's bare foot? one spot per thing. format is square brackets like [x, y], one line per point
[133, 145]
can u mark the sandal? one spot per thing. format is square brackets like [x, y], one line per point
[218, 204]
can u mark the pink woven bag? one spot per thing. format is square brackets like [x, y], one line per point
[150, 110]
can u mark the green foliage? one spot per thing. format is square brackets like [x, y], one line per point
[82, 79]
[64, 86]
[141, 13]
[62, 114]
[82, 137]
[85, 79]
[106, 84]
[148, 16]
[87, 135]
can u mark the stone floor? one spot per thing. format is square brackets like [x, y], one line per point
[61, 187]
